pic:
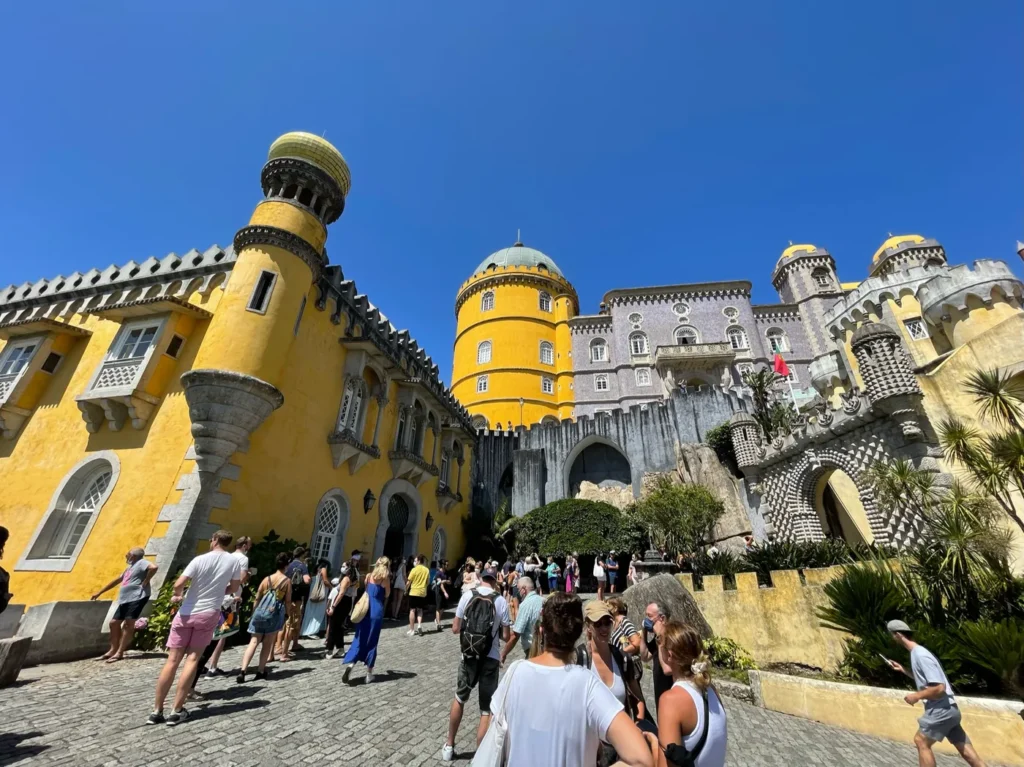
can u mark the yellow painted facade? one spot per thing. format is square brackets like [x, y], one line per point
[284, 470]
[502, 306]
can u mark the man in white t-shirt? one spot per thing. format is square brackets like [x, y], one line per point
[210, 576]
[241, 553]
[475, 669]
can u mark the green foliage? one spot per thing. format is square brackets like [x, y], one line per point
[719, 439]
[679, 517]
[996, 647]
[576, 525]
[154, 636]
[481, 540]
[863, 599]
[503, 514]
[725, 653]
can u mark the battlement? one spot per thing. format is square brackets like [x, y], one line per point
[948, 292]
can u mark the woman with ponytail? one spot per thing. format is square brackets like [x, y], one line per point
[691, 718]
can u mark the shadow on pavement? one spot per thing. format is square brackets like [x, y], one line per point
[11, 749]
[231, 693]
[284, 673]
[384, 676]
[203, 712]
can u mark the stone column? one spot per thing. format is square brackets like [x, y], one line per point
[382, 402]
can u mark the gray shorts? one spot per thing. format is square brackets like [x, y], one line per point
[942, 724]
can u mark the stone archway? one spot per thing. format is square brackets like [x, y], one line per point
[598, 460]
[398, 526]
[839, 507]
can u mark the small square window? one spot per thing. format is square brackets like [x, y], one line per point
[260, 299]
[481, 384]
[51, 362]
[601, 383]
[916, 329]
[174, 347]
[547, 386]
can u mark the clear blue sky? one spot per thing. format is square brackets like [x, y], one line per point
[637, 144]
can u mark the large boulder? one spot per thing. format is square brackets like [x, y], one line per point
[617, 494]
[667, 591]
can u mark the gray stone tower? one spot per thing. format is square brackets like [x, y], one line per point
[888, 376]
[805, 275]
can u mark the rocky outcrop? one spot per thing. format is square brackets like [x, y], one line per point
[618, 495]
[670, 593]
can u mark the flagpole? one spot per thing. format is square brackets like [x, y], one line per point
[792, 396]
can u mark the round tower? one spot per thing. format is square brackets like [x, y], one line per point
[278, 258]
[513, 360]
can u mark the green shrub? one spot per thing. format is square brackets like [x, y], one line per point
[725, 653]
[154, 636]
[679, 517]
[576, 525]
[719, 439]
[996, 647]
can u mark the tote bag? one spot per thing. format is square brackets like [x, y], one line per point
[319, 591]
[361, 609]
[492, 749]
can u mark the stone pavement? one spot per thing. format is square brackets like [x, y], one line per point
[88, 713]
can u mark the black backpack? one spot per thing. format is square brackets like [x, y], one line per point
[477, 633]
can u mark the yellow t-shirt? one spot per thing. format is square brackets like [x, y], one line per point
[417, 581]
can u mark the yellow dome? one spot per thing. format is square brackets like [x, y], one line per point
[896, 241]
[318, 151]
[792, 250]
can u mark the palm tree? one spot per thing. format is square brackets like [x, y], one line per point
[769, 412]
[999, 397]
[898, 485]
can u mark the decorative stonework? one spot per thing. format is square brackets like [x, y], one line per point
[115, 408]
[282, 172]
[281, 238]
[225, 408]
[947, 293]
[345, 447]
[446, 498]
[407, 465]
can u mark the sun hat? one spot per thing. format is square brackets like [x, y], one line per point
[596, 609]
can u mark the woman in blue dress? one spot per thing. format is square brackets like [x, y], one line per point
[364, 648]
[314, 619]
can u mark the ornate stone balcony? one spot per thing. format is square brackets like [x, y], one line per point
[407, 465]
[695, 356]
[446, 497]
[346, 447]
[827, 369]
[114, 397]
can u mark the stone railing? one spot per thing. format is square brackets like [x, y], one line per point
[719, 351]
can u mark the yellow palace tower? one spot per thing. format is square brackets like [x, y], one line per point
[513, 360]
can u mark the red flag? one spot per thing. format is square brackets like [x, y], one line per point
[780, 366]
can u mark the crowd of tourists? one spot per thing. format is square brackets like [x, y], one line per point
[570, 696]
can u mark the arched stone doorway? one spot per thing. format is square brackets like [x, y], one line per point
[840, 511]
[596, 460]
[399, 524]
[330, 527]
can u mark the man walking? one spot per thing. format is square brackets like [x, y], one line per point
[417, 581]
[482, 623]
[655, 617]
[530, 603]
[241, 554]
[210, 577]
[941, 718]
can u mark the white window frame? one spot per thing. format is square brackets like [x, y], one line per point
[33, 558]
[645, 373]
[547, 385]
[249, 307]
[736, 331]
[601, 382]
[686, 329]
[335, 541]
[484, 352]
[771, 334]
[487, 301]
[633, 351]
[920, 323]
[481, 384]
[547, 346]
[123, 338]
[544, 301]
[120, 339]
[16, 346]
[442, 474]
[598, 343]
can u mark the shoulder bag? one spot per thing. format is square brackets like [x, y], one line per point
[318, 593]
[493, 749]
[361, 608]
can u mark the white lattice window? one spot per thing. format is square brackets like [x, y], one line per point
[487, 301]
[481, 384]
[777, 341]
[545, 301]
[328, 520]
[547, 385]
[128, 354]
[547, 353]
[440, 548]
[16, 356]
[916, 329]
[600, 383]
[686, 336]
[351, 405]
[737, 338]
[637, 344]
[598, 350]
[483, 353]
[643, 376]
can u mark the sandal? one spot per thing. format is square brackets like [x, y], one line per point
[114, 658]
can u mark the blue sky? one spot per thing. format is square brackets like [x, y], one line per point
[637, 144]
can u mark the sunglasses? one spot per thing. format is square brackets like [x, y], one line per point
[605, 622]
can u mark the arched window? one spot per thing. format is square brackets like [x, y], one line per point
[643, 376]
[686, 336]
[601, 383]
[777, 340]
[440, 548]
[403, 417]
[65, 527]
[331, 521]
[487, 301]
[598, 350]
[442, 477]
[351, 405]
[545, 301]
[479, 422]
[547, 385]
[483, 353]
[547, 353]
[821, 277]
[737, 338]
[481, 384]
[548, 421]
[637, 344]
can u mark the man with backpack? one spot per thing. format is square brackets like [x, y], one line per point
[298, 573]
[482, 623]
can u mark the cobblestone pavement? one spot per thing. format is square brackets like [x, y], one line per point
[88, 713]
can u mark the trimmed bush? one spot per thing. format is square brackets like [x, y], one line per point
[576, 525]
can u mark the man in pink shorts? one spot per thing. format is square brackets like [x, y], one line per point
[210, 577]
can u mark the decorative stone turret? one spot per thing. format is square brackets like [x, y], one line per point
[965, 301]
[746, 437]
[888, 377]
[225, 408]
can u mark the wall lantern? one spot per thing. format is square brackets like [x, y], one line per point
[368, 500]
[430, 520]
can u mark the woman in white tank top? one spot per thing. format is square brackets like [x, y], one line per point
[683, 721]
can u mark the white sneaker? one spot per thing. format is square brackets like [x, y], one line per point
[409, 633]
[447, 753]
[369, 677]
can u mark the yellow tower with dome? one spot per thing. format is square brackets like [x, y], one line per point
[512, 361]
